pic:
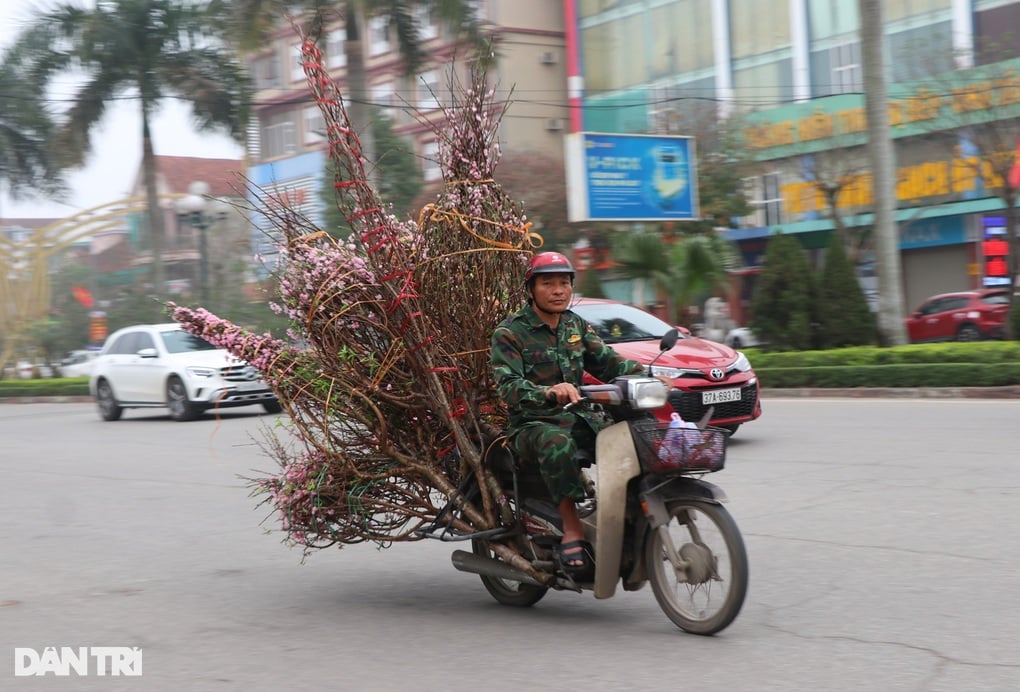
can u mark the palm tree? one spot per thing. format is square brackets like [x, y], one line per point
[28, 162]
[700, 264]
[644, 257]
[689, 269]
[254, 20]
[143, 49]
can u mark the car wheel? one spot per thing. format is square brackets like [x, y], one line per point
[737, 343]
[109, 409]
[968, 332]
[272, 406]
[181, 409]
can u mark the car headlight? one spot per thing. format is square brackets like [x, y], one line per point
[671, 373]
[741, 363]
[197, 371]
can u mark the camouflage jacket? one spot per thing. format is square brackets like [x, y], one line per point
[528, 357]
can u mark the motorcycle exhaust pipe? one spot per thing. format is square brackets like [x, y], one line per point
[489, 567]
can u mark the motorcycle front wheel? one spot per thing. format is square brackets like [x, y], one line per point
[506, 591]
[705, 593]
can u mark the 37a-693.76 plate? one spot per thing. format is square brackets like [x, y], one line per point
[720, 396]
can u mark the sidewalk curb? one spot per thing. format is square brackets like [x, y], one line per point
[84, 399]
[1005, 392]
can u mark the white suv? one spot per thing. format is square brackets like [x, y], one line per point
[153, 365]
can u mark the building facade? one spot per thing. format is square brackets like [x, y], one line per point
[788, 75]
[287, 147]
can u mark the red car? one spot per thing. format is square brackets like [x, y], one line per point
[961, 316]
[705, 373]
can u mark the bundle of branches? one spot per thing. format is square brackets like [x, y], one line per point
[394, 379]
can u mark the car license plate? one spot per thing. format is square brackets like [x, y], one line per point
[720, 396]
[250, 386]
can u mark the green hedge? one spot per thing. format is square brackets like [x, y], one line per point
[982, 352]
[900, 375]
[981, 364]
[59, 386]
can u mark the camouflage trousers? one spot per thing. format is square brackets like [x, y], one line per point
[552, 448]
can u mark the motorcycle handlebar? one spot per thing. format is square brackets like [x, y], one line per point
[579, 402]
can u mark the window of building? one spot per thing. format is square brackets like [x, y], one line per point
[845, 62]
[921, 52]
[677, 41]
[427, 86]
[900, 9]
[383, 95]
[765, 197]
[278, 135]
[430, 161]
[758, 26]
[314, 125]
[379, 35]
[673, 108]
[764, 85]
[479, 9]
[267, 71]
[335, 48]
[828, 18]
[428, 27]
[610, 54]
[297, 66]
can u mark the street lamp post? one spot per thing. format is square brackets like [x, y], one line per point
[201, 208]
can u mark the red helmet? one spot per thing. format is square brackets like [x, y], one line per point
[548, 263]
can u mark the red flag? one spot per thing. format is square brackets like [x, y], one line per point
[83, 296]
[1014, 172]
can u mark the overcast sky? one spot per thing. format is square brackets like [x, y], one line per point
[117, 145]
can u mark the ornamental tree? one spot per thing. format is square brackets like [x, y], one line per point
[389, 396]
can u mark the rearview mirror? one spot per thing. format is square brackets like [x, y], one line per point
[669, 340]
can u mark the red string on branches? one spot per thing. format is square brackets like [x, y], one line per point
[403, 325]
[424, 342]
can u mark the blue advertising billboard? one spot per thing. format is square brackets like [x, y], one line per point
[613, 177]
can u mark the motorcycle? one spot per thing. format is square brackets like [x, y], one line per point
[650, 515]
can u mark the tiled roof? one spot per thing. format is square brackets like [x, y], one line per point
[225, 176]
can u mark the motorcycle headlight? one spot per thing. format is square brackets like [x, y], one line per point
[741, 363]
[647, 393]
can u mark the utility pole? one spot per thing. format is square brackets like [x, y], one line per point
[883, 165]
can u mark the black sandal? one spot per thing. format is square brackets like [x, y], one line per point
[585, 569]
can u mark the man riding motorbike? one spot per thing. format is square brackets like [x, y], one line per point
[539, 355]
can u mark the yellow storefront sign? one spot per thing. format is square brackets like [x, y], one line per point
[927, 180]
[922, 105]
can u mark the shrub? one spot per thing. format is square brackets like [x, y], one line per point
[844, 318]
[1013, 326]
[782, 305]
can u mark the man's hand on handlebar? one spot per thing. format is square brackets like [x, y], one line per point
[563, 393]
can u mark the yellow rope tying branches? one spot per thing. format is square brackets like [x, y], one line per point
[392, 356]
[437, 215]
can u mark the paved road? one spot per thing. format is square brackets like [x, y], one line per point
[881, 536]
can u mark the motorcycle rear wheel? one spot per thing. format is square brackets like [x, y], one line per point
[505, 591]
[709, 596]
